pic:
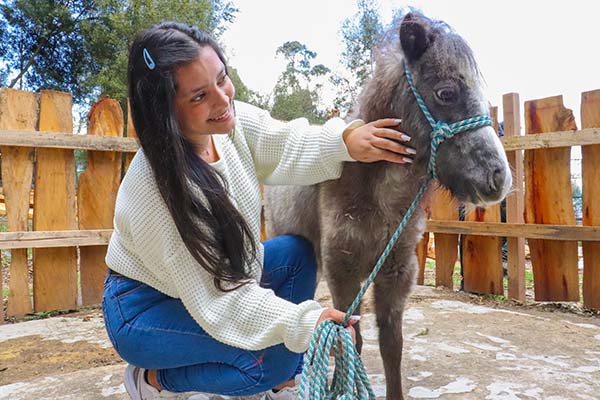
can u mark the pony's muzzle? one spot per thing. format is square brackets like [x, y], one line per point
[498, 184]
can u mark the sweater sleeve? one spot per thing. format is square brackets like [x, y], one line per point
[292, 152]
[250, 317]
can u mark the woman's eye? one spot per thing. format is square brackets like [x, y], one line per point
[200, 97]
[446, 95]
[222, 80]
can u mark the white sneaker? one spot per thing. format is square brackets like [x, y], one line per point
[139, 389]
[287, 393]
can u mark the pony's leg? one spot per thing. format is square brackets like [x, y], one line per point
[343, 283]
[392, 287]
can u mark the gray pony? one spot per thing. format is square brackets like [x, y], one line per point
[350, 220]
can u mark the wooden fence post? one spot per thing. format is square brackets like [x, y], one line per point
[515, 206]
[55, 270]
[549, 200]
[482, 255]
[18, 110]
[97, 193]
[444, 207]
[590, 118]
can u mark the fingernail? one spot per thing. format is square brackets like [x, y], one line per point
[410, 150]
[407, 160]
[405, 137]
[398, 121]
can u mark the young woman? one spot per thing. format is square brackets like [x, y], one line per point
[193, 301]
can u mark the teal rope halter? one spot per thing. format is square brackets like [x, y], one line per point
[350, 377]
[442, 131]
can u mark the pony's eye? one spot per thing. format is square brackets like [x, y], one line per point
[446, 94]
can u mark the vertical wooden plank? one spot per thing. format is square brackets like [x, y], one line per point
[590, 118]
[549, 200]
[482, 255]
[422, 258]
[18, 110]
[515, 201]
[444, 207]
[96, 196]
[55, 269]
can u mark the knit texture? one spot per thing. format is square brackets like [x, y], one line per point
[146, 245]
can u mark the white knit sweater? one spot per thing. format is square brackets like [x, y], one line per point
[147, 247]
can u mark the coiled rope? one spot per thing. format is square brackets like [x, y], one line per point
[350, 378]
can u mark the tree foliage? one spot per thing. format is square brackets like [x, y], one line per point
[296, 94]
[360, 35]
[42, 43]
[123, 19]
[80, 46]
[244, 93]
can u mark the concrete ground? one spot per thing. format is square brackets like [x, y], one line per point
[457, 346]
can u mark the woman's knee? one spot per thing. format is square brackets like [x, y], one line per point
[300, 250]
[279, 366]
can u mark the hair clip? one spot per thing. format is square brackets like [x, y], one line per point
[149, 61]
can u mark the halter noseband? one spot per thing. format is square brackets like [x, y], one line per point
[441, 130]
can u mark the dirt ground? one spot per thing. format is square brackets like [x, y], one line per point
[457, 346]
[32, 356]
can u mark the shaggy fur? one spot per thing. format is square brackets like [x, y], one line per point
[350, 220]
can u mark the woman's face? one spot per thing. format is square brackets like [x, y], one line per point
[204, 99]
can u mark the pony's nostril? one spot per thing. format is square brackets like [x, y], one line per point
[497, 180]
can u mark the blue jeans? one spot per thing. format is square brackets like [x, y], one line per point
[154, 331]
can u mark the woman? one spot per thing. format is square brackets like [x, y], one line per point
[193, 301]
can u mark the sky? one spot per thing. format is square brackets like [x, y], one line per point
[532, 47]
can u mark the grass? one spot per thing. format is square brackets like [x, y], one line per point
[430, 274]
[528, 279]
[43, 315]
[429, 267]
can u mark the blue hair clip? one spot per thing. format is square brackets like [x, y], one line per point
[149, 61]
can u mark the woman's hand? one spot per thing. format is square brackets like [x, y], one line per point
[376, 141]
[338, 316]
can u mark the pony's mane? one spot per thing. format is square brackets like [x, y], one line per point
[389, 48]
[388, 60]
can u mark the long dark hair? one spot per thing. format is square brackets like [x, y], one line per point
[211, 227]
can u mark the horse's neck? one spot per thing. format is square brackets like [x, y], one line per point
[388, 184]
[380, 100]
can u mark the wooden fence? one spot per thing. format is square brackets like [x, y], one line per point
[72, 225]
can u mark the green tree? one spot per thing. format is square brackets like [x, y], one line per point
[293, 95]
[245, 94]
[42, 44]
[360, 35]
[123, 19]
[80, 46]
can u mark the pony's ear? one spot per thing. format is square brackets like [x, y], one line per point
[414, 36]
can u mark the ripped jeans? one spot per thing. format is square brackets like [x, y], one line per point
[154, 331]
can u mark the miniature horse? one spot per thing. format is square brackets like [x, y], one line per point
[350, 220]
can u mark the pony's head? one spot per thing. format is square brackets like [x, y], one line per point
[472, 164]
